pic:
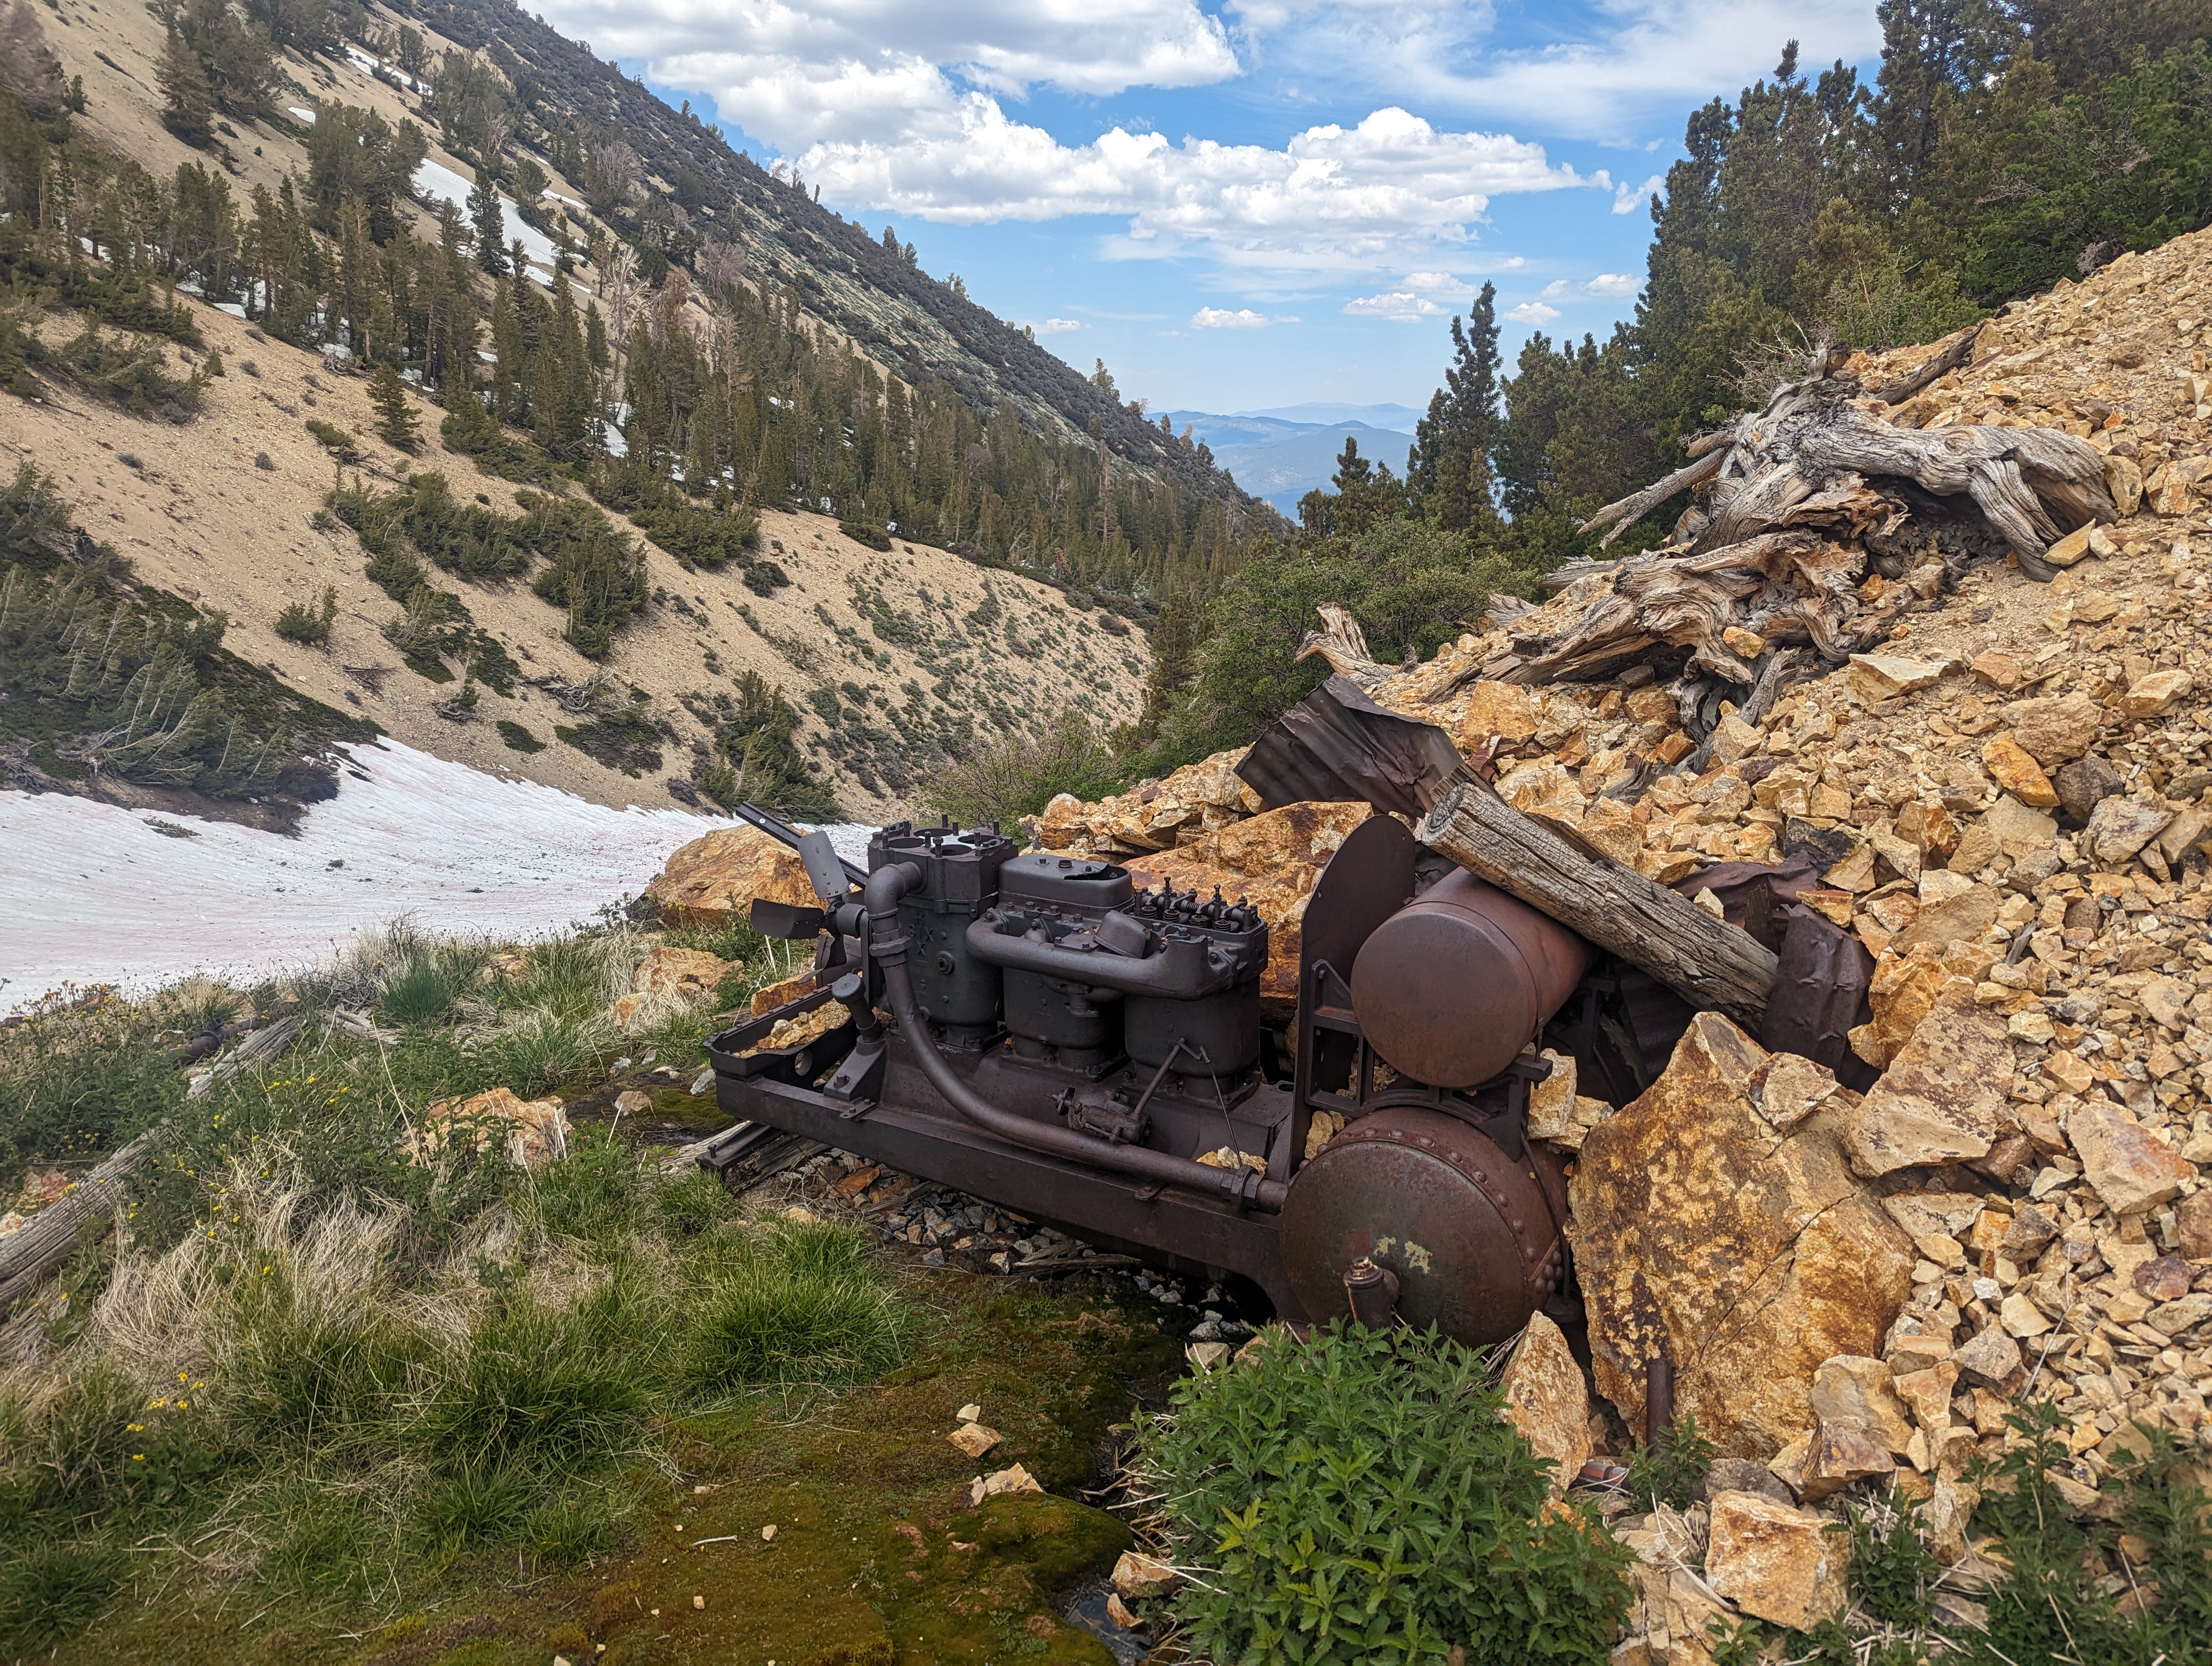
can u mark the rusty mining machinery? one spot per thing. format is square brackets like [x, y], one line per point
[1066, 1044]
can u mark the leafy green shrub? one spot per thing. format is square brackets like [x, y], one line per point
[1892, 1571]
[1675, 1467]
[765, 578]
[1361, 1498]
[1014, 775]
[341, 444]
[518, 737]
[756, 757]
[470, 428]
[130, 374]
[875, 537]
[308, 622]
[626, 739]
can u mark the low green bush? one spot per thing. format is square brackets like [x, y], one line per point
[1360, 1498]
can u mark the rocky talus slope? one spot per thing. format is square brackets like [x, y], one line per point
[2007, 795]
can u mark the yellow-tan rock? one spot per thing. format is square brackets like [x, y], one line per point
[1944, 1097]
[1778, 1563]
[533, 1132]
[2131, 1168]
[688, 973]
[1546, 1400]
[2150, 696]
[1503, 709]
[718, 877]
[2012, 767]
[2053, 731]
[1745, 1256]
[1857, 1388]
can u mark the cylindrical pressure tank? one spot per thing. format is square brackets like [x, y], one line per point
[1453, 985]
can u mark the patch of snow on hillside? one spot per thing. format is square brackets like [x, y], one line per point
[90, 893]
[440, 184]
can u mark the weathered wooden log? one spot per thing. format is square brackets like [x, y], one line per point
[1341, 642]
[1707, 962]
[49, 1237]
[1933, 368]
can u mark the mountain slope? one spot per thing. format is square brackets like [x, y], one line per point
[908, 320]
[893, 655]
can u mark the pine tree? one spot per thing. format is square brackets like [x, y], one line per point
[188, 110]
[395, 423]
[1451, 468]
[490, 223]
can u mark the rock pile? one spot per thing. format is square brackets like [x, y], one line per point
[2009, 802]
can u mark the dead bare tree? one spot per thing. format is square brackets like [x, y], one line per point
[1787, 503]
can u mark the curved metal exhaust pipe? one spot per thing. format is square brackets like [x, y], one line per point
[881, 892]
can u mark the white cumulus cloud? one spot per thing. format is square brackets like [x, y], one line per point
[909, 110]
[1627, 198]
[1056, 327]
[1399, 305]
[1219, 318]
[1614, 285]
[1533, 311]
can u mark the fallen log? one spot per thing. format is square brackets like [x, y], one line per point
[1706, 961]
[1784, 518]
[49, 1237]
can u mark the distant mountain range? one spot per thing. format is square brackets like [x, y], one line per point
[1283, 454]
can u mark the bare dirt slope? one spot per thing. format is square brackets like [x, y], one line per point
[198, 514]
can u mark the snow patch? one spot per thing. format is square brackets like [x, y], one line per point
[92, 893]
[440, 184]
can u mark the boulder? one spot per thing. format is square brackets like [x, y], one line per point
[1884, 676]
[533, 1131]
[1775, 1561]
[2149, 696]
[1745, 1256]
[718, 877]
[1904, 989]
[2018, 774]
[1503, 709]
[2131, 1168]
[1857, 1388]
[1156, 815]
[1791, 1088]
[2192, 1222]
[1546, 1400]
[1991, 1358]
[2085, 783]
[686, 973]
[1841, 1454]
[2052, 731]
[1946, 1095]
[2118, 827]
[1137, 1575]
[2019, 828]
[1960, 916]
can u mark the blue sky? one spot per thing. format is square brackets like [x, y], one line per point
[1243, 205]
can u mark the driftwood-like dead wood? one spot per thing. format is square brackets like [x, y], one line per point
[1341, 642]
[49, 1237]
[1933, 369]
[1708, 961]
[1773, 548]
